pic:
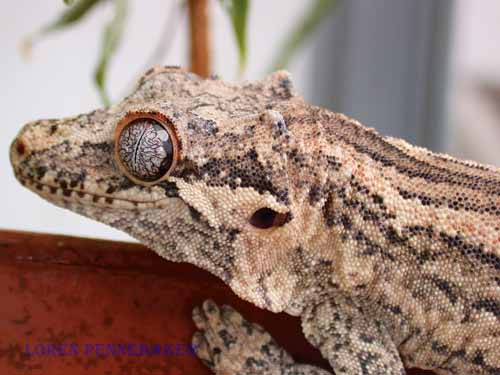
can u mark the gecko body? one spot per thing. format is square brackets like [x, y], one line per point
[389, 253]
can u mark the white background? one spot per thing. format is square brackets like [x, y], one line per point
[56, 81]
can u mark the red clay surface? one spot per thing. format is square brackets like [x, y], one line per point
[68, 295]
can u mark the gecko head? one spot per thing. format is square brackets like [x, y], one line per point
[196, 169]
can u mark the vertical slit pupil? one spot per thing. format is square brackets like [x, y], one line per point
[145, 149]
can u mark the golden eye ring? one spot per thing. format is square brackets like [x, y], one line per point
[147, 147]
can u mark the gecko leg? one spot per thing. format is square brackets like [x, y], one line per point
[228, 345]
[352, 343]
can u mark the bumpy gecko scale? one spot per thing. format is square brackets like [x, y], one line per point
[389, 253]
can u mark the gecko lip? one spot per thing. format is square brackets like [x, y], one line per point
[70, 195]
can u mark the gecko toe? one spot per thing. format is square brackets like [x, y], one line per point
[227, 342]
[202, 349]
[231, 316]
[199, 319]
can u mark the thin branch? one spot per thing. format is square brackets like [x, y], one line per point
[200, 37]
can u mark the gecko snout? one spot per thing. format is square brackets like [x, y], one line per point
[21, 147]
[28, 143]
[19, 153]
[18, 150]
[33, 137]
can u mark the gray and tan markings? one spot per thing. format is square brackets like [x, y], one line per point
[389, 253]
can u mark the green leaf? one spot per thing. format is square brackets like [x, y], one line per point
[238, 12]
[111, 39]
[69, 2]
[73, 14]
[316, 13]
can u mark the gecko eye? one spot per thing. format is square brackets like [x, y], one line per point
[146, 147]
[266, 217]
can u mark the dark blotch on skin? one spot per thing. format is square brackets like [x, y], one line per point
[105, 147]
[457, 242]
[206, 127]
[227, 339]
[250, 171]
[232, 233]
[395, 309]
[126, 184]
[446, 288]
[170, 188]
[314, 194]
[328, 212]
[478, 359]
[40, 171]
[488, 304]
[53, 129]
[366, 338]
[195, 215]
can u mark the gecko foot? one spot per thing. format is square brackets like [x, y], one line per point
[228, 344]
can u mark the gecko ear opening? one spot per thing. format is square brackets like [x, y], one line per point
[265, 218]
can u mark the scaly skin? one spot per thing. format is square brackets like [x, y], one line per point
[388, 252]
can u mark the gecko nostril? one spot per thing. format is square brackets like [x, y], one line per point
[20, 147]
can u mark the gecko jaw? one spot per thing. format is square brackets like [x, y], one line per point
[54, 193]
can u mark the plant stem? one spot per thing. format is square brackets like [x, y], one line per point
[200, 37]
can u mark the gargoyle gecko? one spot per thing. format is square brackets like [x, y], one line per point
[389, 253]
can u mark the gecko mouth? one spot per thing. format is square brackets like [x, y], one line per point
[67, 194]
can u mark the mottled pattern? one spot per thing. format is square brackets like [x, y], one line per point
[390, 253]
[357, 343]
[228, 344]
